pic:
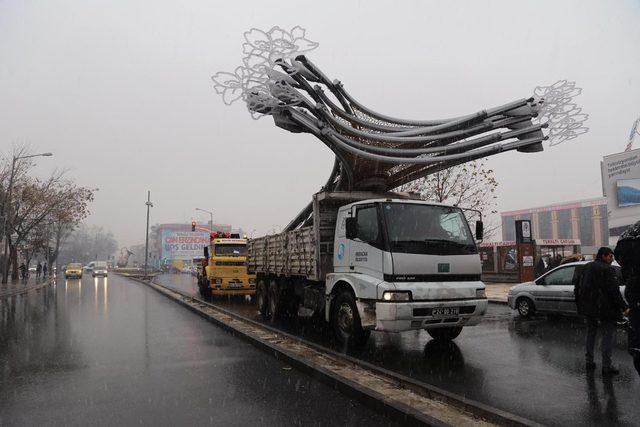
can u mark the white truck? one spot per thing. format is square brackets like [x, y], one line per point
[367, 261]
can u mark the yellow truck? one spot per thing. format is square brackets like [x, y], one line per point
[224, 269]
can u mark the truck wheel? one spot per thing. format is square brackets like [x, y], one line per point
[345, 321]
[445, 334]
[262, 298]
[275, 302]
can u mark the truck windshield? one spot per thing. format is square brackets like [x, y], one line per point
[427, 229]
[231, 249]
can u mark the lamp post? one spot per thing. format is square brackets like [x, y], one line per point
[6, 211]
[210, 213]
[146, 244]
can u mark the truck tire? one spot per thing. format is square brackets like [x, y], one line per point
[445, 334]
[262, 298]
[345, 321]
[275, 300]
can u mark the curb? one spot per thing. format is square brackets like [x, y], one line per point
[396, 410]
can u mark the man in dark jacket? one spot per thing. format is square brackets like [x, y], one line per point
[628, 255]
[598, 298]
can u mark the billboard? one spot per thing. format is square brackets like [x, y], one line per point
[628, 192]
[621, 187]
[183, 245]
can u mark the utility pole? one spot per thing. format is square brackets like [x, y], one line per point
[146, 244]
[211, 214]
[7, 212]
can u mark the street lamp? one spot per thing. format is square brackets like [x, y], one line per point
[146, 244]
[6, 213]
[210, 213]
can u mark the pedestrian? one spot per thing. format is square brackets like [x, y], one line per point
[44, 269]
[38, 270]
[23, 271]
[598, 297]
[628, 256]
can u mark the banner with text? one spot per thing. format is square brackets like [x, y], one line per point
[183, 244]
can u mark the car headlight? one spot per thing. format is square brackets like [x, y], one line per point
[396, 296]
[481, 293]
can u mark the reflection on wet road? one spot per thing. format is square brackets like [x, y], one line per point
[533, 368]
[112, 351]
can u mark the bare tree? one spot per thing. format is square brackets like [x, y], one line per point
[470, 186]
[41, 210]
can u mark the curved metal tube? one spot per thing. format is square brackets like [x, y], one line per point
[448, 149]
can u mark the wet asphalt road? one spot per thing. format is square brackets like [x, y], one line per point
[115, 352]
[532, 368]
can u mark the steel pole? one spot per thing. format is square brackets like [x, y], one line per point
[146, 244]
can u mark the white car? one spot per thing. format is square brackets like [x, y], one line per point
[550, 293]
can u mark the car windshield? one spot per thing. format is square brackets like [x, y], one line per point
[75, 265]
[100, 264]
[427, 229]
[231, 249]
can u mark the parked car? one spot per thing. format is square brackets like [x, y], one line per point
[99, 269]
[550, 293]
[73, 270]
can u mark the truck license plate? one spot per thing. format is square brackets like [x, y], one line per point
[235, 285]
[445, 311]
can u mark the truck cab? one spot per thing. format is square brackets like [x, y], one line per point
[409, 264]
[224, 271]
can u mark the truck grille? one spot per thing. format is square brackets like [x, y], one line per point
[231, 263]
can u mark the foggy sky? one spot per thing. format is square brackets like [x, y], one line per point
[120, 91]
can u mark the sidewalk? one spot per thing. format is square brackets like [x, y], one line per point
[19, 287]
[497, 292]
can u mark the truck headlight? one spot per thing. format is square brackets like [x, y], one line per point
[396, 296]
[481, 293]
[218, 281]
[252, 281]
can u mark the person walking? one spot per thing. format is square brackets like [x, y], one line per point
[38, 270]
[598, 298]
[44, 269]
[628, 255]
[23, 271]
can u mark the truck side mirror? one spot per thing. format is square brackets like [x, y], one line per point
[351, 227]
[479, 230]
[206, 252]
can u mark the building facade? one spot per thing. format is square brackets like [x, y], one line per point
[583, 220]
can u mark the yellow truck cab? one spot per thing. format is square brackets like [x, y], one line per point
[224, 270]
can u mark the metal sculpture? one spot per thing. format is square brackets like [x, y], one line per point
[374, 150]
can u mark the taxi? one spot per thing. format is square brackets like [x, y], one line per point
[73, 270]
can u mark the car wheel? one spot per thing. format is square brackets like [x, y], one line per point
[525, 307]
[345, 320]
[445, 334]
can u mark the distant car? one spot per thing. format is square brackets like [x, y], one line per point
[32, 269]
[99, 269]
[550, 293]
[73, 270]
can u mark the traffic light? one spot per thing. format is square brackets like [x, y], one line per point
[193, 226]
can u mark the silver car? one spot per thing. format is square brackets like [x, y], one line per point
[550, 293]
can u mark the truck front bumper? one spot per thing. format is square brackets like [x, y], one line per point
[405, 316]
